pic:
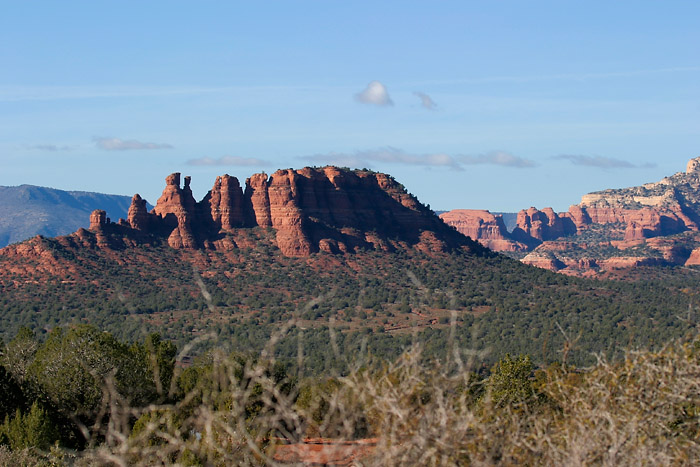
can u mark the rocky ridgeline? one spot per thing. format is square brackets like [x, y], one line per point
[309, 210]
[602, 231]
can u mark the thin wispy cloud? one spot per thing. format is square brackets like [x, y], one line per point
[338, 159]
[228, 161]
[502, 158]
[391, 155]
[601, 162]
[50, 147]
[560, 76]
[15, 93]
[388, 155]
[117, 144]
[425, 100]
[49, 93]
[376, 94]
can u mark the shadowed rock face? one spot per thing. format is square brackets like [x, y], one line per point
[223, 205]
[533, 224]
[257, 201]
[137, 216]
[310, 210]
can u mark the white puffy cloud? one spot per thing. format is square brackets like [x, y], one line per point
[425, 100]
[375, 93]
[117, 144]
[228, 160]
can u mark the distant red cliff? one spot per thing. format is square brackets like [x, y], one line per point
[656, 223]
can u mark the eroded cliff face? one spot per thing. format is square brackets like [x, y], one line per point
[616, 228]
[257, 201]
[176, 210]
[224, 204]
[309, 210]
[138, 217]
[485, 227]
[533, 224]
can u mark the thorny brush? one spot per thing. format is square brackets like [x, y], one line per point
[639, 411]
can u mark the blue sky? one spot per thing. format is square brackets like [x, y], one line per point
[498, 105]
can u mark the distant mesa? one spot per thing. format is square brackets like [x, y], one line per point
[308, 210]
[616, 220]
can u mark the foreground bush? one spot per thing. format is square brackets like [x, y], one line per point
[237, 410]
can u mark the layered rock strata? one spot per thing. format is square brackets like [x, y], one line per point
[533, 224]
[610, 224]
[309, 210]
[483, 226]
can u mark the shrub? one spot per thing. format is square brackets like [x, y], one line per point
[33, 429]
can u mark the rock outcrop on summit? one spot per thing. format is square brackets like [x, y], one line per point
[176, 210]
[599, 233]
[309, 210]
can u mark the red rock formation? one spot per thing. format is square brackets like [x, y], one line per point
[486, 228]
[578, 216]
[648, 223]
[286, 214]
[138, 216]
[587, 263]
[99, 224]
[624, 262]
[606, 215]
[533, 224]
[693, 166]
[35, 257]
[477, 224]
[544, 260]
[310, 207]
[257, 200]
[694, 258]
[529, 223]
[98, 220]
[634, 231]
[624, 244]
[311, 210]
[225, 203]
[176, 206]
[325, 451]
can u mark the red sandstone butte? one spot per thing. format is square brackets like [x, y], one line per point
[309, 210]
